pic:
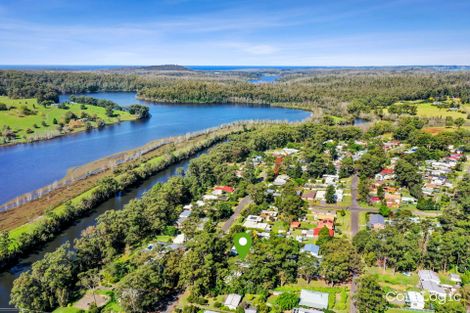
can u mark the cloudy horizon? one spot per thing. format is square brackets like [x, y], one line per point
[264, 33]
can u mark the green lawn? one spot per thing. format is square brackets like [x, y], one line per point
[164, 238]
[69, 309]
[338, 299]
[395, 280]
[279, 225]
[397, 310]
[362, 220]
[40, 119]
[427, 109]
[344, 223]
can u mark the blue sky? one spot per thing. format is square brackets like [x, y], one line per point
[217, 32]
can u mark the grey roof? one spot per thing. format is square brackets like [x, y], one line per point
[314, 299]
[427, 275]
[185, 213]
[310, 247]
[432, 287]
[376, 219]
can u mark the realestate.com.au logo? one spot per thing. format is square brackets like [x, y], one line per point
[392, 296]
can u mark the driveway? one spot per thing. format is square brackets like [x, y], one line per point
[244, 202]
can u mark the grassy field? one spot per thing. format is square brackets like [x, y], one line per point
[344, 223]
[395, 280]
[338, 299]
[427, 109]
[30, 121]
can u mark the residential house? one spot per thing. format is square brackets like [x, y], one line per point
[308, 233]
[182, 217]
[179, 239]
[226, 189]
[313, 299]
[257, 160]
[269, 215]
[324, 215]
[433, 289]
[295, 225]
[309, 195]
[339, 195]
[312, 249]
[232, 301]
[328, 223]
[255, 222]
[415, 300]
[376, 221]
[320, 195]
[392, 200]
[391, 144]
[409, 200]
[428, 275]
[304, 310]
[209, 197]
[374, 200]
[330, 179]
[385, 174]
[281, 180]
[430, 282]
[251, 310]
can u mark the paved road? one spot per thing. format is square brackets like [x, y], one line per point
[241, 205]
[355, 209]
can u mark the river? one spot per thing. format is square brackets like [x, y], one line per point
[116, 203]
[27, 167]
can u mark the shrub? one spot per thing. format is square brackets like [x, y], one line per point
[287, 301]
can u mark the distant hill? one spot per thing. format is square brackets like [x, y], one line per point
[164, 67]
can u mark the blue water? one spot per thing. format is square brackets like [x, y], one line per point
[26, 167]
[265, 79]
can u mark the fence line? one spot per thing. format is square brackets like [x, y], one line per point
[96, 167]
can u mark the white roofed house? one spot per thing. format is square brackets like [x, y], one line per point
[313, 299]
[232, 301]
[330, 179]
[281, 180]
[320, 195]
[304, 310]
[256, 222]
[415, 300]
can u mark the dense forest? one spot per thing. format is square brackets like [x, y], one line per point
[329, 90]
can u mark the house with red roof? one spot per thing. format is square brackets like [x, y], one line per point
[295, 225]
[227, 189]
[385, 174]
[374, 200]
[326, 223]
